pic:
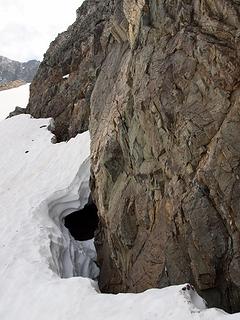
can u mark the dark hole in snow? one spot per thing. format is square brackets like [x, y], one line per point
[26, 151]
[83, 223]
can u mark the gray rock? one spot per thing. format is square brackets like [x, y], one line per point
[17, 111]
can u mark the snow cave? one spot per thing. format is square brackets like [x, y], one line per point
[83, 223]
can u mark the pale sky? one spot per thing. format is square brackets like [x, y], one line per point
[28, 26]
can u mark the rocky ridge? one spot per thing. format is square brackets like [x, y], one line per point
[11, 70]
[157, 83]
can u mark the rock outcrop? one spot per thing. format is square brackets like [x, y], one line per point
[160, 81]
[63, 85]
[11, 70]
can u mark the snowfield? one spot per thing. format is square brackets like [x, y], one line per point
[40, 183]
[12, 98]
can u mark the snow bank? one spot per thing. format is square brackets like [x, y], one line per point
[9, 99]
[40, 183]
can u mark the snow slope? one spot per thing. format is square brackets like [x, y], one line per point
[40, 183]
[16, 97]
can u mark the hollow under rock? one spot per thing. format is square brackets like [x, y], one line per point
[83, 223]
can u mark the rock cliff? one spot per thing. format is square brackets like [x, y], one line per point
[157, 83]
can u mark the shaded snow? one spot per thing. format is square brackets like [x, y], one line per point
[12, 98]
[37, 189]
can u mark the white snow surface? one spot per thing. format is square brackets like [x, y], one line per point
[66, 76]
[12, 98]
[37, 189]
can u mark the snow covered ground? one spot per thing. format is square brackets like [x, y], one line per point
[40, 183]
[9, 99]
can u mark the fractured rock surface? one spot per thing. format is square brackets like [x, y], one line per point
[160, 81]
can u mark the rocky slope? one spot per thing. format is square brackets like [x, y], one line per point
[11, 70]
[160, 82]
[11, 84]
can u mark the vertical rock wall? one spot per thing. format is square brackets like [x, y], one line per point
[165, 150]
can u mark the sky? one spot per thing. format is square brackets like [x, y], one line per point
[28, 26]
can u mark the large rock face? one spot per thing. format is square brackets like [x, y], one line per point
[160, 80]
[11, 70]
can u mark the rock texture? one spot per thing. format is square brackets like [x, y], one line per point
[11, 70]
[160, 80]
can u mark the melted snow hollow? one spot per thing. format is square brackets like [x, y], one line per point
[40, 183]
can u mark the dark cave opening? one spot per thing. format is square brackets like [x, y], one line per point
[83, 223]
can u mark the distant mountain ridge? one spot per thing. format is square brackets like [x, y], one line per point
[11, 70]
